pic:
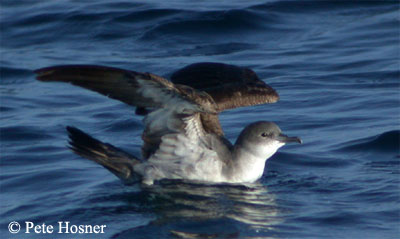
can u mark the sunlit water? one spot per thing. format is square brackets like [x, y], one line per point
[335, 65]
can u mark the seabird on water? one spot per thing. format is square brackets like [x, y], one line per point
[183, 138]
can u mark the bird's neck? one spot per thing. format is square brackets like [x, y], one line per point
[248, 163]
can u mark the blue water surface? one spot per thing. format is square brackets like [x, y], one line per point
[335, 65]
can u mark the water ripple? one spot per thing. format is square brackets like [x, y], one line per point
[386, 142]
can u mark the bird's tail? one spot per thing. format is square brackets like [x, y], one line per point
[116, 160]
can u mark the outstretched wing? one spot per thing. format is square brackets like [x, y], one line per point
[130, 87]
[179, 107]
[230, 86]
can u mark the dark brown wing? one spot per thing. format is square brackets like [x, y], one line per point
[179, 105]
[112, 82]
[230, 86]
[130, 87]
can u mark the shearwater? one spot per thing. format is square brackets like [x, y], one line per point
[183, 138]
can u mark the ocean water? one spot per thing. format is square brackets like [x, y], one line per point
[335, 65]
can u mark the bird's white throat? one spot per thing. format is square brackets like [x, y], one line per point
[249, 161]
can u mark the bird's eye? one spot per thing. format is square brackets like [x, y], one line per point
[264, 134]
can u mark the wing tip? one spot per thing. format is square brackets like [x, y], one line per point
[62, 72]
[115, 160]
[44, 74]
[274, 96]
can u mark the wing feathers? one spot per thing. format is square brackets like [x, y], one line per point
[230, 86]
[130, 87]
[112, 82]
[116, 160]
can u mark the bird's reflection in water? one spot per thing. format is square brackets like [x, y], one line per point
[206, 211]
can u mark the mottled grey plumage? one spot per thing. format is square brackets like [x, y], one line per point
[182, 137]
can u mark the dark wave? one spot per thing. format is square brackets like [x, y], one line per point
[210, 23]
[385, 142]
[21, 133]
[7, 73]
[296, 161]
[149, 15]
[315, 5]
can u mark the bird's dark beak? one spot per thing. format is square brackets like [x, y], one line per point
[286, 139]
